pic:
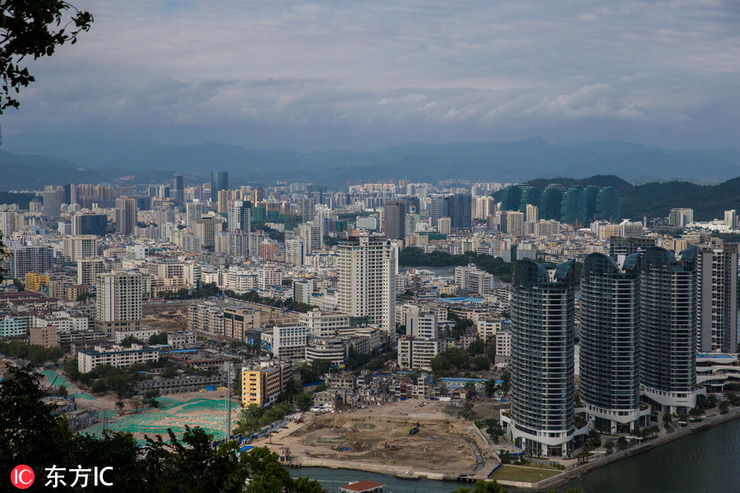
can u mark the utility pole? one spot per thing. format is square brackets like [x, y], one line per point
[228, 400]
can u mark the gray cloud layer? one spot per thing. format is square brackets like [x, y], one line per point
[361, 74]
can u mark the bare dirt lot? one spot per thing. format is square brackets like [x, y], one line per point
[380, 435]
[167, 318]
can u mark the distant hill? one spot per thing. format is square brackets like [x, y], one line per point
[656, 199]
[29, 172]
[475, 161]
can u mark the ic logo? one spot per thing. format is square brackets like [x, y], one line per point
[22, 477]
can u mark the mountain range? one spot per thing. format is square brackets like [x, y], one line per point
[31, 161]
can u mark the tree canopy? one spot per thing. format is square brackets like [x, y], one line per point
[33, 29]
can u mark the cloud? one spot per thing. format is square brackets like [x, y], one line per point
[414, 68]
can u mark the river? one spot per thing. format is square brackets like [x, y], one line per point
[704, 462]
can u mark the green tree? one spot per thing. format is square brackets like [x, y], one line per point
[481, 363]
[450, 362]
[150, 397]
[490, 387]
[303, 401]
[160, 338]
[666, 420]
[33, 29]
[482, 487]
[30, 431]
[62, 391]
[506, 377]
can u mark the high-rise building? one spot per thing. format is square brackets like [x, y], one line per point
[394, 219]
[53, 200]
[126, 216]
[240, 216]
[306, 209]
[89, 224]
[312, 237]
[609, 357]
[193, 211]
[9, 222]
[88, 270]
[219, 181]
[77, 247]
[177, 191]
[461, 211]
[294, 251]
[366, 282]
[628, 245]
[206, 228]
[667, 328]
[512, 222]
[118, 302]
[28, 259]
[716, 295]
[680, 217]
[438, 207]
[542, 360]
[234, 243]
[731, 218]
[532, 212]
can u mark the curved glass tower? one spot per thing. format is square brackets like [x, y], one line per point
[542, 419]
[667, 325]
[609, 357]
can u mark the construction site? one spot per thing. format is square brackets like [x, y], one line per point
[400, 438]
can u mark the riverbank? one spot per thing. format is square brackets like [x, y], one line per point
[709, 422]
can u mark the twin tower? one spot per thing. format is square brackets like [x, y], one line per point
[638, 337]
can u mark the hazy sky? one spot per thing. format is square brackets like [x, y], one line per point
[365, 74]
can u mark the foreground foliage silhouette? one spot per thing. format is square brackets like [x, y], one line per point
[32, 433]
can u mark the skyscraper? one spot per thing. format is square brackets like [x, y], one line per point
[118, 302]
[609, 357]
[366, 286]
[667, 318]
[219, 181]
[542, 361]
[716, 292]
[461, 211]
[89, 224]
[312, 237]
[240, 216]
[394, 219]
[53, 200]
[438, 207]
[126, 216]
[177, 191]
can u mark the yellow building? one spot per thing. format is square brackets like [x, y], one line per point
[487, 329]
[35, 282]
[262, 386]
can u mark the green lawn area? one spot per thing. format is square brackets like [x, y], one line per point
[507, 472]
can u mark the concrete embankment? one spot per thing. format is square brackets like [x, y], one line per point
[579, 471]
[397, 471]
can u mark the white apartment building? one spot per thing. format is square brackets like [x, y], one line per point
[88, 360]
[416, 354]
[289, 342]
[323, 324]
[366, 282]
[473, 279]
[503, 343]
[80, 246]
[118, 302]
